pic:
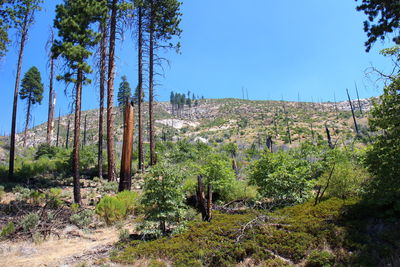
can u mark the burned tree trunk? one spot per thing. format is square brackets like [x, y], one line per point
[352, 112]
[110, 95]
[103, 70]
[269, 143]
[358, 98]
[153, 158]
[58, 128]
[28, 117]
[24, 37]
[67, 138]
[52, 98]
[84, 131]
[75, 152]
[328, 135]
[140, 90]
[204, 205]
[125, 181]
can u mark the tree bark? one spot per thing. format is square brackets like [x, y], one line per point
[140, 89]
[153, 158]
[77, 126]
[110, 96]
[103, 70]
[52, 100]
[24, 35]
[125, 182]
[28, 114]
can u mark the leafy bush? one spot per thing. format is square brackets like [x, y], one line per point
[22, 193]
[282, 177]
[111, 209]
[382, 158]
[83, 218]
[218, 172]
[29, 222]
[45, 150]
[163, 196]
[319, 258]
[7, 230]
[347, 180]
[53, 198]
[130, 200]
[108, 187]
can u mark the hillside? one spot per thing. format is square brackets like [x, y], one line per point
[228, 120]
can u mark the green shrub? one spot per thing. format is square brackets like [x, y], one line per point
[22, 193]
[29, 222]
[282, 177]
[111, 209]
[319, 258]
[108, 187]
[45, 150]
[163, 196]
[83, 218]
[7, 230]
[218, 172]
[37, 197]
[130, 200]
[53, 198]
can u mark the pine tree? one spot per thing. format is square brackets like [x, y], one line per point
[22, 14]
[102, 71]
[32, 91]
[124, 91]
[163, 24]
[383, 18]
[74, 19]
[5, 25]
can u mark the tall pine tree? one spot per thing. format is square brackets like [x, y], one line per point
[74, 19]
[32, 92]
[163, 18]
[23, 15]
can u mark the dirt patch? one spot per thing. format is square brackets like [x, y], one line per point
[86, 248]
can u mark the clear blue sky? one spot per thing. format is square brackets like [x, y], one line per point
[274, 49]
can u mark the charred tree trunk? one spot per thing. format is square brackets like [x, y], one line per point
[58, 129]
[52, 99]
[28, 115]
[352, 112]
[103, 70]
[110, 96]
[358, 98]
[153, 158]
[77, 126]
[67, 138]
[140, 89]
[312, 132]
[84, 131]
[328, 135]
[205, 206]
[269, 143]
[125, 182]
[24, 36]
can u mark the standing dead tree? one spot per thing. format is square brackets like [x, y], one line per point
[205, 205]
[52, 94]
[352, 112]
[125, 182]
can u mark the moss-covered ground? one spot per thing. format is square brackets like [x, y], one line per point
[328, 234]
